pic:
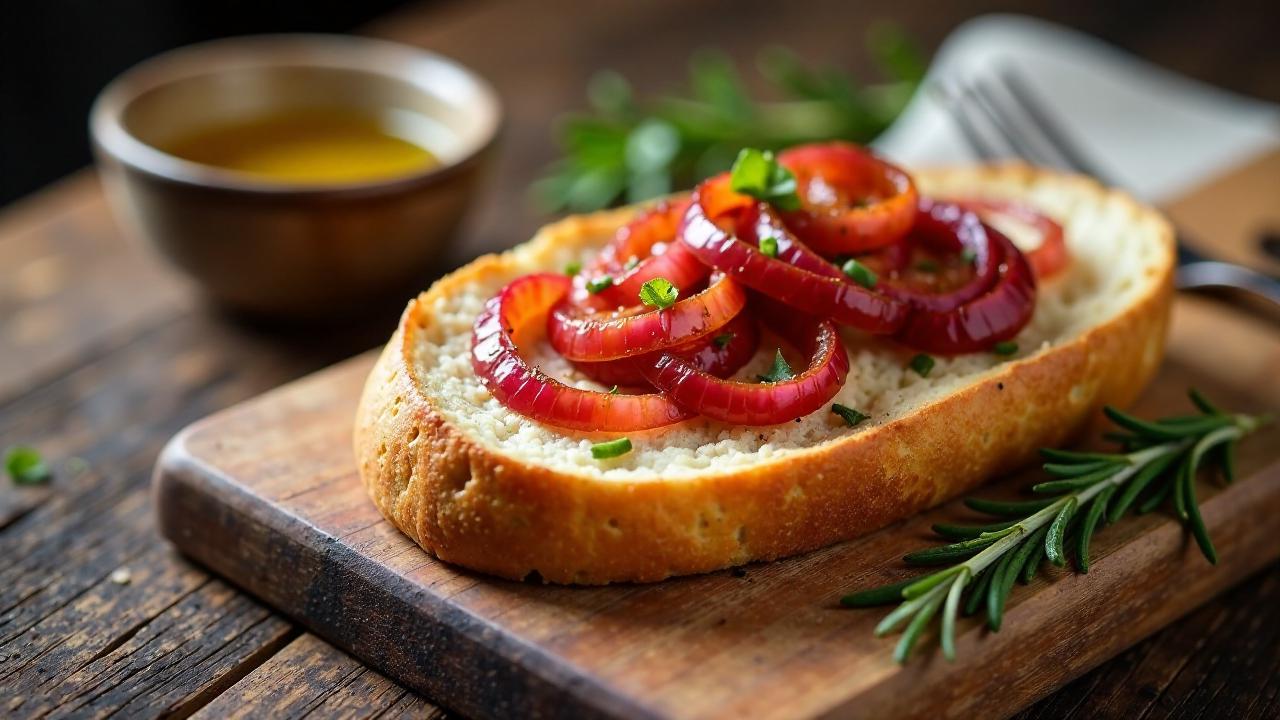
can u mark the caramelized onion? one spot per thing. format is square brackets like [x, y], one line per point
[526, 390]
[583, 334]
[820, 294]
[752, 403]
[721, 355]
[851, 200]
[1050, 257]
[640, 251]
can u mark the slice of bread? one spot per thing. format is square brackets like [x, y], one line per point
[478, 485]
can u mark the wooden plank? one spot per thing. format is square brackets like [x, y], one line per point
[274, 480]
[309, 676]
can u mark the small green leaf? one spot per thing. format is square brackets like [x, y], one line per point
[922, 364]
[849, 415]
[769, 246]
[659, 293]
[927, 266]
[600, 284]
[883, 595]
[1203, 402]
[758, 174]
[25, 466]
[1057, 532]
[1138, 483]
[955, 551]
[1010, 508]
[909, 637]
[722, 340]
[968, 255]
[859, 273]
[967, 532]
[611, 448]
[779, 372]
[1095, 513]
[1005, 348]
[997, 593]
[573, 268]
[949, 611]
[979, 592]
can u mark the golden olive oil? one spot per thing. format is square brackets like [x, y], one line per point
[313, 146]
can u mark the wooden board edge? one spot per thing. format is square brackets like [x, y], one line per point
[439, 649]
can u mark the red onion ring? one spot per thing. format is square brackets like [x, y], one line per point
[526, 390]
[710, 355]
[1050, 257]
[648, 245]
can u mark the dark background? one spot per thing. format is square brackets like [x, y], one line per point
[55, 55]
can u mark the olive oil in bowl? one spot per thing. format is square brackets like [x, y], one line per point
[315, 146]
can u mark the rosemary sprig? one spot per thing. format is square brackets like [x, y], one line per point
[1159, 461]
[631, 149]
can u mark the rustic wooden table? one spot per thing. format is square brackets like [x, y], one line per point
[104, 354]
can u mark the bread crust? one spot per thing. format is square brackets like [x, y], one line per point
[477, 507]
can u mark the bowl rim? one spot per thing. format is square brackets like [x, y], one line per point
[385, 58]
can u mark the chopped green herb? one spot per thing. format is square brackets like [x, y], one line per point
[851, 417]
[779, 372]
[1007, 347]
[860, 273]
[659, 293]
[928, 266]
[769, 246]
[922, 364]
[722, 340]
[573, 268]
[968, 255]
[611, 448]
[26, 467]
[758, 174]
[599, 284]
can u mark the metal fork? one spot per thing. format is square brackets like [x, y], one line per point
[999, 115]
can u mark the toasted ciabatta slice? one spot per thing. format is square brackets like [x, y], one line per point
[478, 485]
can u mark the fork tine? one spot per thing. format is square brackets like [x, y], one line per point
[1020, 92]
[1016, 133]
[959, 111]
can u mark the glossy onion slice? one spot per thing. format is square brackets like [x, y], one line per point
[753, 403]
[947, 229]
[642, 250]
[989, 315]
[1050, 257]
[820, 294]
[721, 355]
[583, 334]
[852, 201]
[524, 389]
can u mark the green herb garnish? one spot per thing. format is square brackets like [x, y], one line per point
[1160, 460]
[922, 364]
[722, 340]
[968, 255]
[573, 268]
[927, 266]
[628, 148]
[851, 417]
[659, 293]
[25, 466]
[758, 174]
[1006, 347]
[779, 372]
[600, 284]
[611, 448]
[859, 273]
[769, 246]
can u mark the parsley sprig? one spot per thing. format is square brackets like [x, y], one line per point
[1159, 461]
[629, 149]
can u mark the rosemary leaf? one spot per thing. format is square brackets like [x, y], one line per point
[1055, 487]
[1139, 483]
[1032, 565]
[1198, 530]
[1057, 530]
[967, 532]
[1095, 513]
[996, 593]
[947, 553]
[1157, 431]
[917, 626]
[949, 610]
[1072, 470]
[1203, 402]
[1072, 456]
[979, 591]
[1229, 461]
[1007, 508]
[883, 595]
[1156, 498]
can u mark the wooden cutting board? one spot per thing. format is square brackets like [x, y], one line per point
[266, 493]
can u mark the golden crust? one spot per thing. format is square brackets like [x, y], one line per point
[475, 506]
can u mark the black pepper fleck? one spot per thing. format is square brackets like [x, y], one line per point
[999, 386]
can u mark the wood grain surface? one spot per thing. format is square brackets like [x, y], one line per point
[104, 354]
[270, 485]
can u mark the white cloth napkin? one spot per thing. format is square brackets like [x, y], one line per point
[1158, 133]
